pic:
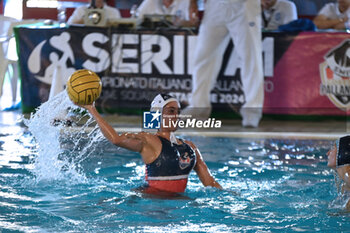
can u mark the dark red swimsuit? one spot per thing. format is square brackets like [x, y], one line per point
[169, 172]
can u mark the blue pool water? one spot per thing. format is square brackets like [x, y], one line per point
[82, 183]
[279, 184]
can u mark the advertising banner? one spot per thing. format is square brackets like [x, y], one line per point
[303, 74]
[309, 76]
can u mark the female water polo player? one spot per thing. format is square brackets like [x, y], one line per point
[168, 159]
[339, 160]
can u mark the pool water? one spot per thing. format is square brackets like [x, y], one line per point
[56, 179]
[270, 185]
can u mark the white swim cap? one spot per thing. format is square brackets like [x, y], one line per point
[161, 100]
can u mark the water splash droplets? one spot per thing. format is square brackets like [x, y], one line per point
[60, 149]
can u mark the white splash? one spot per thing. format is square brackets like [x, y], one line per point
[59, 147]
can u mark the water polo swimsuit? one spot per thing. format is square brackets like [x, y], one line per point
[169, 172]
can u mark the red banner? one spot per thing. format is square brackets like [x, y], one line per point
[299, 79]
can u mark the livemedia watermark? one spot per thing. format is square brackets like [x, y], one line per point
[154, 120]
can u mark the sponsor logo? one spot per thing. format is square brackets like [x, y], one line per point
[335, 75]
[278, 16]
[184, 161]
[151, 120]
[59, 56]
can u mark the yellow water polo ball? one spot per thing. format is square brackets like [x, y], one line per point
[84, 87]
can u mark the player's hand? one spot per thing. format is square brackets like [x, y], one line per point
[87, 106]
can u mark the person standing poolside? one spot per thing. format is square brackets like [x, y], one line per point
[168, 159]
[222, 20]
[339, 160]
[334, 15]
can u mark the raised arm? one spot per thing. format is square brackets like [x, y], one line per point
[144, 143]
[130, 141]
[202, 170]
